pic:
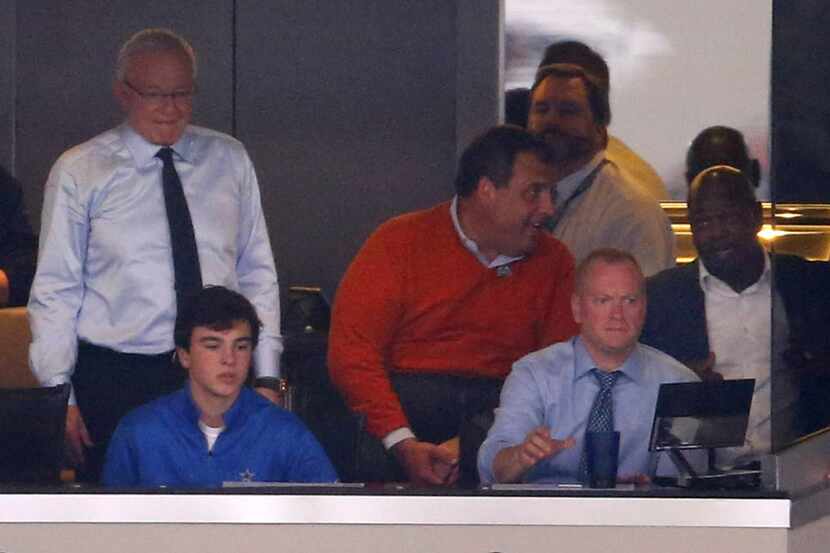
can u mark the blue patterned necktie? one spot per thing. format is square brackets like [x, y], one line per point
[601, 418]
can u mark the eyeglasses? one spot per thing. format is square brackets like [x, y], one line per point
[155, 99]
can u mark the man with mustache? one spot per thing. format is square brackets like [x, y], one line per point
[438, 304]
[517, 106]
[714, 314]
[597, 205]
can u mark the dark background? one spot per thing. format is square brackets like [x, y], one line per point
[800, 101]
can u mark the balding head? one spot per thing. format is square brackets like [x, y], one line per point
[724, 183]
[725, 218]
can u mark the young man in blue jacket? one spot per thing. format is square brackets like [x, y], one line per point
[214, 430]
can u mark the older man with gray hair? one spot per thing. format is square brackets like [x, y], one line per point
[129, 232]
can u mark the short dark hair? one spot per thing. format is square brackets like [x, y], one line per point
[720, 145]
[577, 53]
[217, 308]
[492, 155]
[598, 89]
[612, 256]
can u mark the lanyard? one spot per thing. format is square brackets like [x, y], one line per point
[583, 186]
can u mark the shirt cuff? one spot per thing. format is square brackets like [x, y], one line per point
[266, 362]
[396, 436]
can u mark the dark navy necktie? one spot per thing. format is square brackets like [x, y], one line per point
[186, 268]
[601, 418]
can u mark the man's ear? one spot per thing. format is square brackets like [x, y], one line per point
[575, 310]
[183, 356]
[486, 189]
[121, 94]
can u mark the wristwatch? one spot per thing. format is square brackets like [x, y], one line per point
[279, 385]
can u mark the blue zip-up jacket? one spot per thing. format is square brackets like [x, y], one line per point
[160, 444]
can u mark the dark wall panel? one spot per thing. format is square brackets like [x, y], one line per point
[348, 111]
[7, 41]
[800, 107]
[65, 58]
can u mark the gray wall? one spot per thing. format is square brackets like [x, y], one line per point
[350, 110]
[7, 49]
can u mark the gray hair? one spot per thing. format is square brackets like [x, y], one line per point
[152, 40]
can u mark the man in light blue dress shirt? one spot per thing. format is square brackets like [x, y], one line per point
[539, 429]
[103, 303]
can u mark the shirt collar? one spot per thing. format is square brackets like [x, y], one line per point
[144, 152]
[709, 282]
[568, 185]
[472, 247]
[192, 413]
[632, 368]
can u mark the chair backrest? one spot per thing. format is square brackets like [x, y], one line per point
[15, 338]
[32, 424]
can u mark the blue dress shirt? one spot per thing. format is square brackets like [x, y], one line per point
[105, 267]
[554, 387]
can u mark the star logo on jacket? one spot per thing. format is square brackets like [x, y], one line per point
[247, 475]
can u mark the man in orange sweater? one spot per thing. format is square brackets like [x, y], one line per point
[439, 303]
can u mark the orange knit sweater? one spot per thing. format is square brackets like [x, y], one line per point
[414, 300]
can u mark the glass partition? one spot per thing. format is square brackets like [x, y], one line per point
[675, 69]
[751, 66]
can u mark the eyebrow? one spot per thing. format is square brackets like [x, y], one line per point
[215, 339]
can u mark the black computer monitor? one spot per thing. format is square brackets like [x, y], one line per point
[694, 415]
[32, 423]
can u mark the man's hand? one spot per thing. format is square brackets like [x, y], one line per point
[705, 368]
[511, 463]
[77, 436]
[271, 395]
[4, 289]
[427, 464]
[637, 479]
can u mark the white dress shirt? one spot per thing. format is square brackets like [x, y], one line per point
[739, 327]
[105, 267]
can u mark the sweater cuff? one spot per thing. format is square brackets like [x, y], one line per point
[396, 436]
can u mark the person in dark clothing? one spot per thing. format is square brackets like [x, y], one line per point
[18, 247]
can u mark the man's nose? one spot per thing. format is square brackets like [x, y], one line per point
[551, 120]
[228, 356]
[616, 310]
[541, 122]
[169, 104]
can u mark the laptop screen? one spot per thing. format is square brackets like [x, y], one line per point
[694, 415]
